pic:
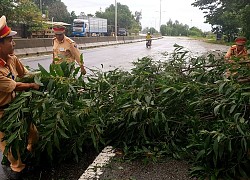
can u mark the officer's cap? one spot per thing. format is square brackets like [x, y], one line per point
[240, 40]
[5, 31]
[59, 29]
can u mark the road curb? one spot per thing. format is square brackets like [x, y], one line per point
[94, 170]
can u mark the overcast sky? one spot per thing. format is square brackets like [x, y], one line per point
[180, 10]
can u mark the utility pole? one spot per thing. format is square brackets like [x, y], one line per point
[41, 5]
[115, 20]
[160, 18]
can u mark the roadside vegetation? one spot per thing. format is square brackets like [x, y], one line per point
[180, 107]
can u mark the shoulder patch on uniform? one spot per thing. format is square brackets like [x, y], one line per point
[69, 40]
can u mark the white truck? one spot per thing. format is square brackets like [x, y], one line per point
[91, 26]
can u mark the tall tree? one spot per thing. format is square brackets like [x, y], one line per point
[24, 11]
[125, 18]
[22, 15]
[231, 15]
[174, 29]
[7, 8]
[245, 17]
[44, 3]
[194, 31]
[58, 10]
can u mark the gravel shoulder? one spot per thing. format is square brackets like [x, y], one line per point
[166, 169]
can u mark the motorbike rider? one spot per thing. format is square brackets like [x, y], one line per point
[149, 39]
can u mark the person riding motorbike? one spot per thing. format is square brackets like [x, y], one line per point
[148, 39]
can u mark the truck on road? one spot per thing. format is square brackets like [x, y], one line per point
[90, 26]
[122, 32]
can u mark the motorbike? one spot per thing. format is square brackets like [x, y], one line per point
[148, 43]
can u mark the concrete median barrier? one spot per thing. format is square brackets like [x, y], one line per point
[36, 46]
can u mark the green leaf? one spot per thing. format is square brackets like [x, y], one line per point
[25, 110]
[221, 87]
[216, 109]
[200, 154]
[56, 141]
[137, 101]
[76, 71]
[37, 81]
[232, 108]
[59, 71]
[135, 112]
[240, 130]
[50, 85]
[26, 94]
[183, 89]
[13, 116]
[242, 120]
[62, 124]
[236, 116]
[72, 88]
[243, 144]
[168, 89]
[216, 149]
[49, 126]
[207, 142]
[230, 146]
[148, 99]
[62, 133]
[166, 128]
[43, 71]
[132, 123]
[245, 94]
[198, 168]
[12, 138]
[52, 69]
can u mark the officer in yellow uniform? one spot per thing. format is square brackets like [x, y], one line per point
[237, 51]
[10, 68]
[65, 49]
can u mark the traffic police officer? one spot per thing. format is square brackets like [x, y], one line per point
[237, 51]
[65, 49]
[10, 69]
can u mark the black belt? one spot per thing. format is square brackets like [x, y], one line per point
[4, 106]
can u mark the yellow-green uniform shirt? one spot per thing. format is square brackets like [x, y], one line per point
[66, 50]
[233, 52]
[8, 75]
[148, 37]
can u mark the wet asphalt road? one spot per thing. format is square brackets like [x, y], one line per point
[122, 56]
